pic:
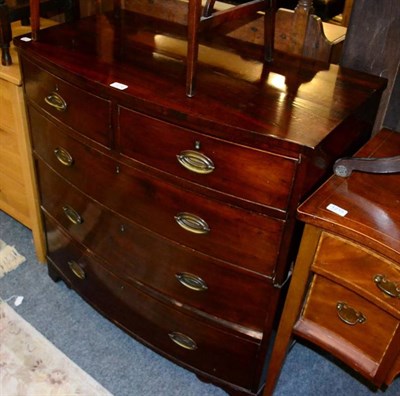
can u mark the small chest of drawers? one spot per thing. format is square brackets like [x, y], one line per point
[175, 216]
[348, 268]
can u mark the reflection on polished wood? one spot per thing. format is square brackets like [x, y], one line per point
[267, 91]
[199, 20]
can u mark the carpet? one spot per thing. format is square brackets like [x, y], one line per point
[31, 366]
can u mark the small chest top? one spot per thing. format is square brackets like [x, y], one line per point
[364, 207]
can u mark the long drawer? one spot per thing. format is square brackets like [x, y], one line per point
[194, 280]
[168, 330]
[254, 175]
[67, 103]
[206, 225]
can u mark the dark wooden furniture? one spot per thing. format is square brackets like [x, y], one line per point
[175, 216]
[19, 10]
[325, 9]
[345, 290]
[302, 32]
[299, 32]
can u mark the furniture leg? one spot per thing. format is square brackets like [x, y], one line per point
[35, 18]
[194, 13]
[269, 30]
[292, 307]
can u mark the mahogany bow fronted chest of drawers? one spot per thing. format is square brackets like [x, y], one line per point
[175, 216]
[348, 270]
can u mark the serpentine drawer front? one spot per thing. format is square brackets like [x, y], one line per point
[335, 317]
[378, 279]
[175, 216]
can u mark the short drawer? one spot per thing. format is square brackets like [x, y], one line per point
[86, 113]
[240, 171]
[360, 269]
[192, 279]
[345, 324]
[190, 219]
[168, 330]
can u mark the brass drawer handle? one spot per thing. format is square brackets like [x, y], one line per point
[63, 156]
[72, 215]
[388, 287]
[192, 223]
[77, 270]
[56, 101]
[191, 281]
[195, 162]
[349, 315]
[183, 340]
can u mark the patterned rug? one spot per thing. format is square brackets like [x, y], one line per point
[9, 258]
[31, 366]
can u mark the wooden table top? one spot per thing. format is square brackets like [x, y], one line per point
[367, 205]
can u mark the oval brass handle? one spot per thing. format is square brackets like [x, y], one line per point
[55, 100]
[349, 315]
[72, 215]
[192, 223]
[191, 281]
[77, 270]
[183, 340]
[195, 162]
[388, 287]
[63, 156]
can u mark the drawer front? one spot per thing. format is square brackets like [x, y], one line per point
[236, 170]
[191, 279]
[349, 319]
[68, 103]
[218, 230]
[361, 270]
[168, 330]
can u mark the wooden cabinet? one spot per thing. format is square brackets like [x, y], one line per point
[18, 192]
[351, 253]
[175, 216]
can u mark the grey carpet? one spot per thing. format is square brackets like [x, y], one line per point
[124, 366]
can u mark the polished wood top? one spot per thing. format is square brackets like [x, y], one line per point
[291, 103]
[372, 202]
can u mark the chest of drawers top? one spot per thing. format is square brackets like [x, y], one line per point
[289, 105]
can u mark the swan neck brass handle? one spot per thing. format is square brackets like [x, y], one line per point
[349, 315]
[63, 156]
[72, 215]
[56, 101]
[183, 340]
[192, 223]
[77, 270]
[390, 288]
[191, 281]
[196, 162]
